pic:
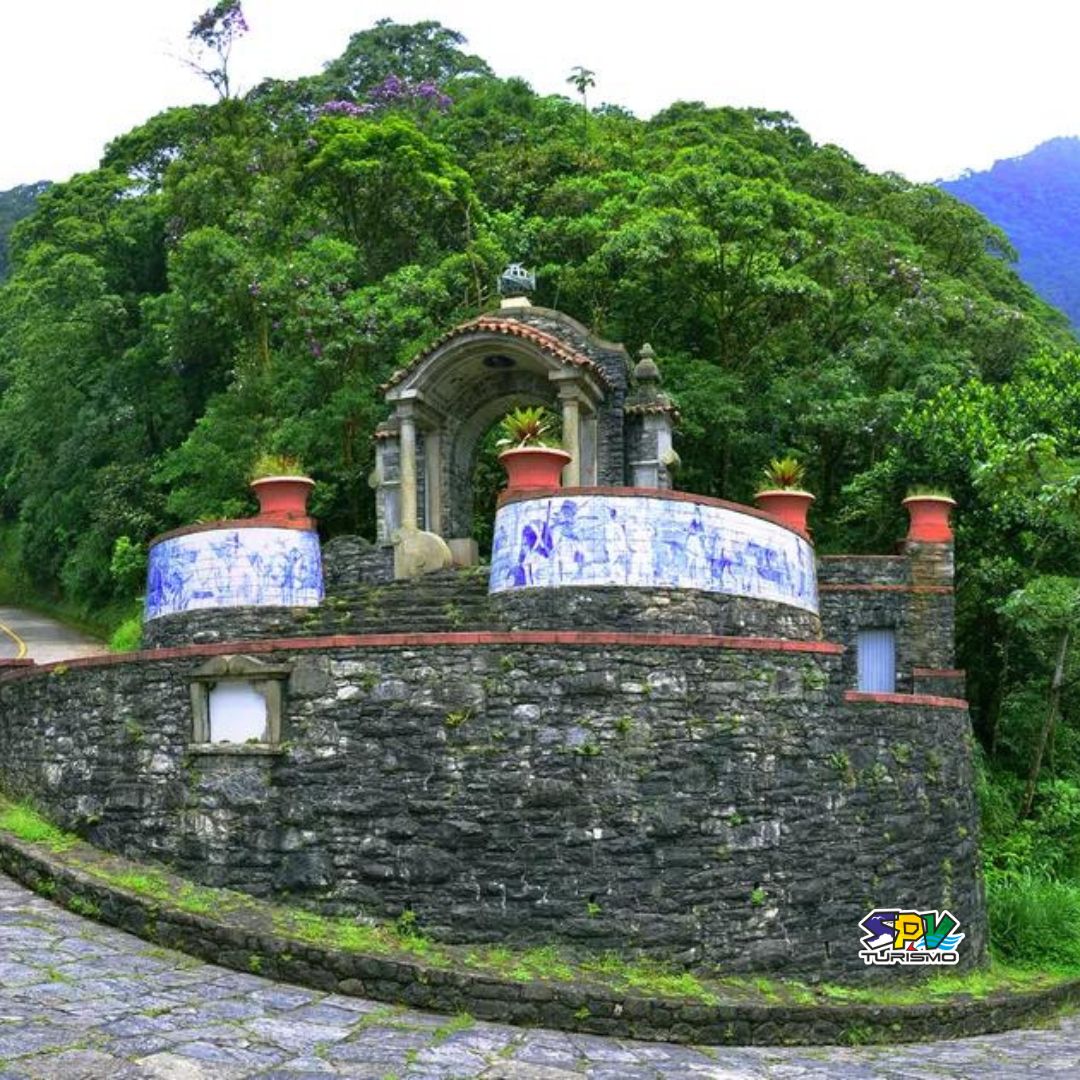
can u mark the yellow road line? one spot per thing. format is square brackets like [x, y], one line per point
[20, 645]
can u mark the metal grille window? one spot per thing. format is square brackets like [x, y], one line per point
[876, 651]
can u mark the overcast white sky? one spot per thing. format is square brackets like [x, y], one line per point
[923, 87]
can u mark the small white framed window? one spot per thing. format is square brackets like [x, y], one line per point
[236, 703]
[875, 651]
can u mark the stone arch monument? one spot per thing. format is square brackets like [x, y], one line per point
[616, 424]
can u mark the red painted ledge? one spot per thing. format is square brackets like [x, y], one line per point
[856, 696]
[932, 590]
[856, 555]
[459, 639]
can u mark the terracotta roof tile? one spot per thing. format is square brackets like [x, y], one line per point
[547, 343]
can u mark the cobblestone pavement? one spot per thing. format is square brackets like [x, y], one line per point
[79, 1000]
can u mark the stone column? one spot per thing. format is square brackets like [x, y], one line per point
[571, 434]
[408, 468]
[588, 450]
[433, 481]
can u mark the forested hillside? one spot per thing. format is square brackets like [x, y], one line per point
[242, 277]
[15, 204]
[1035, 199]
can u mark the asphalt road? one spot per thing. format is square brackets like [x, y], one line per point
[26, 634]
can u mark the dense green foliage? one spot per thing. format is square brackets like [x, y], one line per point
[240, 279]
[1035, 200]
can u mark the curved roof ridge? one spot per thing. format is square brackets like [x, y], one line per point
[491, 323]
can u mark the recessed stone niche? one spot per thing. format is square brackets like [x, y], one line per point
[236, 705]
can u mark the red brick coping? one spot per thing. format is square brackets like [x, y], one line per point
[665, 494]
[923, 589]
[460, 639]
[271, 521]
[856, 696]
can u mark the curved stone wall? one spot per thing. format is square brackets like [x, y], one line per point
[671, 611]
[233, 564]
[587, 537]
[458, 600]
[710, 801]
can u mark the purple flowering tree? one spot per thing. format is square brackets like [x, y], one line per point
[393, 92]
[211, 38]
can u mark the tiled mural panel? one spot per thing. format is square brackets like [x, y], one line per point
[234, 568]
[648, 542]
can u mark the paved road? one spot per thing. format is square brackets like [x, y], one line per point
[25, 633]
[79, 1001]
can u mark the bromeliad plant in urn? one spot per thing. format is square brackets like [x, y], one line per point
[529, 459]
[783, 497]
[281, 487]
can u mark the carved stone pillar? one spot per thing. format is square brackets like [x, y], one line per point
[408, 468]
[571, 434]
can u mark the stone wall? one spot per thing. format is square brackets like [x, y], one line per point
[911, 594]
[672, 611]
[698, 800]
[352, 560]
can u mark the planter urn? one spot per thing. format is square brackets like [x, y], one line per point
[929, 516]
[283, 496]
[533, 467]
[789, 505]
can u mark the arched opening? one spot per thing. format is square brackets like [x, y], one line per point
[486, 476]
[437, 456]
[472, 451]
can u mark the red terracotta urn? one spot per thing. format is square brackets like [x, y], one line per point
[789, 505]
[282, 496]
[929, 518]
[533, 467]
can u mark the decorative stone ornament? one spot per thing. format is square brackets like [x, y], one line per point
[651, 418]
[929, 518]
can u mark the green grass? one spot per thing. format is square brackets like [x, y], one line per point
[1035, 920]
[24, 822]
[127, 637]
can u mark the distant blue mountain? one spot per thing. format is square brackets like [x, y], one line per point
[15, 204]
[1035, 199]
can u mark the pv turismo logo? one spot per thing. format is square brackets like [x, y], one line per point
[892, 936]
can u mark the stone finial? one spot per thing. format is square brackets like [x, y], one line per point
[646, 370]
[646, 396]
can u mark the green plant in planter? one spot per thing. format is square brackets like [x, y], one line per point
[530, 426]
[785, 474]
[922, 491]
[276, 465]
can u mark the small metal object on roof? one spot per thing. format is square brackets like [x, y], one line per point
[515, 280]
